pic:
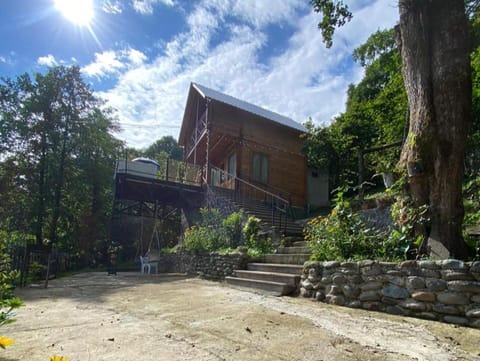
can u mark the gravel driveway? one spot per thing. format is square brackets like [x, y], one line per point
[130, 316]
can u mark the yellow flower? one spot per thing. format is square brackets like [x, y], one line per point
[4, 342]
[58, 358]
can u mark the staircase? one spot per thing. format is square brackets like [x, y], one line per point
[277, 274]
[225, 199]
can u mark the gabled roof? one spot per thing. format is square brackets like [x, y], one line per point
[251, 108]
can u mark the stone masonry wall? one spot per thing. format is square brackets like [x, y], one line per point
[212, 266]
[447, 290]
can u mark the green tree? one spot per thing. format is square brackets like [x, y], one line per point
[436, 71]
[165, 147]
[59, 156]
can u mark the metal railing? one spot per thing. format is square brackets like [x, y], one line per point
[166, 169]
[249, 194]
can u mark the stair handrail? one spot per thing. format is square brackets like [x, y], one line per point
[285, 207]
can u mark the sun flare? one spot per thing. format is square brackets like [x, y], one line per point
[79, 12]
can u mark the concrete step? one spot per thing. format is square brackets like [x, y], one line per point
[293, 250]
[286, 258]
[300, 244]
[289, 279]
[294, 269]
[274, 288]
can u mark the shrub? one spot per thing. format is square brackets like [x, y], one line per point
[257, 244]
[342, 235]
[214, 233]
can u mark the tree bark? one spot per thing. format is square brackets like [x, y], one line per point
[436, 69]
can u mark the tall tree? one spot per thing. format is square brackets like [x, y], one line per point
[59, 148]
[434, 45]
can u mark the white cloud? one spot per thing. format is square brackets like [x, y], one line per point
[48, 60]
[112, 6]
[303, 80]
[145, 7]
[112, 62]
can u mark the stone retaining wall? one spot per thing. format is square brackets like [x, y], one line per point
[212, 266]
[447, 290]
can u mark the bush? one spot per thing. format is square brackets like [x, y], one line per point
[214, 233]
[343, 235]
[8, 279]
[257, 245]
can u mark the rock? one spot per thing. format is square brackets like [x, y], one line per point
[475, 299]
[369, 296]
[475, 324]
[432, 265]
[475, 267]
[319, 296]
[388, 265]
[414, 282]
[371, 271]
[305, 293]
[474, 312]
[453, 275]
[355, 279]
[395, 292]
[372, 285]
[366, 263]
[350, 291]
[413, 305]
[414, 271]
[430, 273]
[450, 310]
[453, 264]
[436, 285]
[424, 296]
[353, 265]
[395, 310]
[335, 300]
[333, 290]
[331, 264]
[428, 316]
[456, 320]
[326, 280]
[452, 298]
[397, 281]
[372, 306]
[312, 272]
[394, 273]
[307, 284]
[354, 304]
[339, 280]
[390, 301]
[408, 264]
[464, 286]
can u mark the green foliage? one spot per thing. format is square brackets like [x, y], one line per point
[165, 147]
[471, 191]
[8, 279]
[375, 115]
[214, 233]
[57, 162]
[334, 14]
[233, 228]
[343, 235]
[257, 244]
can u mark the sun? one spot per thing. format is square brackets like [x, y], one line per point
[79, 12]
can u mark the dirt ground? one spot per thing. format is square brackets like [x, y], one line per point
[129, 317]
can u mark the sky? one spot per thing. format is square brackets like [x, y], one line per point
[142, 55]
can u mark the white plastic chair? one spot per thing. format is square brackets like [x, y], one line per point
[146, 265]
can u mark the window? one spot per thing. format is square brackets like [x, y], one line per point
[232, 166]
[260, 167]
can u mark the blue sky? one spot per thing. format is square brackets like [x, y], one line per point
[141, 55]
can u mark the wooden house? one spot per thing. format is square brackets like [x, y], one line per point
[242, 145]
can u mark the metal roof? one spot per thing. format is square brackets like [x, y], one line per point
[251, 108]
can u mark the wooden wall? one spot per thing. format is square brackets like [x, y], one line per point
[282, 145]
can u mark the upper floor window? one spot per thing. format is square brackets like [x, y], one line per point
[260, 167]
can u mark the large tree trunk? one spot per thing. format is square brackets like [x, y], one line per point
[436, 69]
